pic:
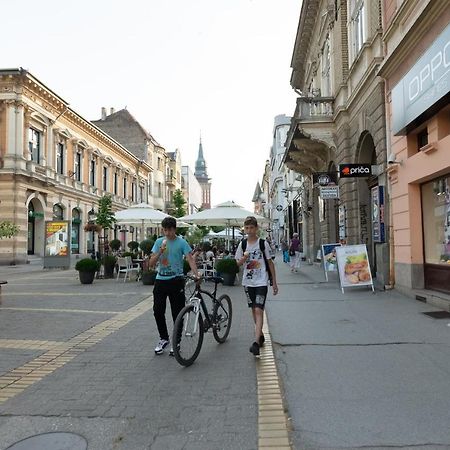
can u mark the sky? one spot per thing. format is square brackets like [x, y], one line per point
[181, 67]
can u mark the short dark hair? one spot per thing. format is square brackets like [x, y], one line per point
[251, 220]
[169, 222]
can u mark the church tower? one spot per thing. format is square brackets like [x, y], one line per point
[202, 177]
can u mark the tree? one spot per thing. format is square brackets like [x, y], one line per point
[8, 229]
[105, 216]
[179, 202]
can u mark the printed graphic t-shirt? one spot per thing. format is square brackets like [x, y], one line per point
[255, 273]
[171, 261]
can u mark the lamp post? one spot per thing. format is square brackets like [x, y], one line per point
[91, 220]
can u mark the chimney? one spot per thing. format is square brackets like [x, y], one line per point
[112, 111]
[103, 113]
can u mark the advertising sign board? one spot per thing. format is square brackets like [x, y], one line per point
[329, 259]
[355, 170]
[329, 192]
[57, 244]
[377, 194]
[353, 265]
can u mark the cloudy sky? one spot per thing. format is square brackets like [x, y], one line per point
[179, 66]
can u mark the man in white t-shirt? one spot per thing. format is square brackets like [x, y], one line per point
[255, 278]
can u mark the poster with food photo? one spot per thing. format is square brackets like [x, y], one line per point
[353, 264]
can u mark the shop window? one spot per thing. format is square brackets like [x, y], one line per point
[422, 138]
[436, 221]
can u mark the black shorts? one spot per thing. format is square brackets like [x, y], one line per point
[256, 296]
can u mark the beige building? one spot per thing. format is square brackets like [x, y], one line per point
[173, 178]
[417, 74]
[54, 164]
[339, 119]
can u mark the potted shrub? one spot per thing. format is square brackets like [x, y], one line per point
[146, 246]
[133, 246]
[114, 245]
[86, 268]
[109, 262]
[148, 275]
[228, 269]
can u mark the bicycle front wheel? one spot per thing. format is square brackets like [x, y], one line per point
[187, 336]
[222, 315]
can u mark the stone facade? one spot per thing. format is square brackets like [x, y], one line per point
[56, 164]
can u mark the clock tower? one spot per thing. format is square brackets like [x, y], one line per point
[202, 177]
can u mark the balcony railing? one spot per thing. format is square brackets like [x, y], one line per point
[170, 179]
[314, 108]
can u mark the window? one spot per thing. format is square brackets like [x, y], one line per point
[326, 64]
[58, 213]
[358, 26]
[422, 138]
[116, 183]
[105, 178]
[133, 191]
[92, 172]
[125, 187]
[141, 194]
[160, 190]
[150, 187]
[60, 158]
[77, 166]
[34, 144]
[159, 163]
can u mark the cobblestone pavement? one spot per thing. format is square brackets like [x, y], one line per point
[81, 358]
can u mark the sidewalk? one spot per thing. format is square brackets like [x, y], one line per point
[360, 370]
[82, 361]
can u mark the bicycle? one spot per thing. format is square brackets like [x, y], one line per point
[194, 320]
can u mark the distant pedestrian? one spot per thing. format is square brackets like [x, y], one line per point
[285, 250]
[169, 251]
[254, 254]
[294, 253]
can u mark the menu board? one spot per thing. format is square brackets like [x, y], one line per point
[353, 265]
[329, 259]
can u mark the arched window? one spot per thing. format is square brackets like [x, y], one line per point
[58, 212]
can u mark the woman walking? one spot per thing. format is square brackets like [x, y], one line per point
[294, 253]
[285, 250]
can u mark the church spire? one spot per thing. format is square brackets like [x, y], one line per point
[200, 164]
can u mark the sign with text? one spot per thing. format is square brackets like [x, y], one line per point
[427, 82]
[329, 258]
[378, 233]
[57, 244]
[353, 265]
[324, 178]
[355, 170]
[329, 192]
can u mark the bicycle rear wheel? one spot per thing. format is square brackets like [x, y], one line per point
[222, 314]
[187, 336]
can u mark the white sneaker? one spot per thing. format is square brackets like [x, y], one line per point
[162, 344]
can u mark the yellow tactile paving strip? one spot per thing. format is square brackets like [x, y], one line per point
[27, 344]
[17, 380]
[58, 310]
[273, 431]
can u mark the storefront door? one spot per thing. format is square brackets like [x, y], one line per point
[436, 233]
[31, 230]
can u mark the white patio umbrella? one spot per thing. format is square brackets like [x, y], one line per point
[228, 214]
[141, 212]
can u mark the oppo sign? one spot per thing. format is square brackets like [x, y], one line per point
[426, 83]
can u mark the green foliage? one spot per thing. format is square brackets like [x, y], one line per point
[109, 261]
[194, 237]
[105, 216]
[204, 230]
[133, 246]
[179, 202]
[8, 229]
[217, 229]
[146, 246]
[227, 266]
[87, 265]
[115, 244]
[125, 254]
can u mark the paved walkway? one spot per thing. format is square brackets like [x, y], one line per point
[360, 370]
[80, 358]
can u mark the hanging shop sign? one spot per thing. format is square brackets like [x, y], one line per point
[329, 260]
[426, 84]
[57, 244]
[279, 208]
[329, 192]
[353, 266]
[324, 178]
[378, 229]
[355, 170]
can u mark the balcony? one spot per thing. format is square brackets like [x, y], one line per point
[170, 180]
[311, 136]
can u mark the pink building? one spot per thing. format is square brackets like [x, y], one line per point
[417, 73]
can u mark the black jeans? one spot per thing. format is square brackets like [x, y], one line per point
[174, 289]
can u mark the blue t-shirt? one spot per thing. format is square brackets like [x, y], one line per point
[171, 261]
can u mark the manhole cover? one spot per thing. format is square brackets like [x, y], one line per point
[438, 314]
[51, 441]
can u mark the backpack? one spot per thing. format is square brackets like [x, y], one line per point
[262, 247]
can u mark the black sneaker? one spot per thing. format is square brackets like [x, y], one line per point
[254, 349]
[262, 339]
